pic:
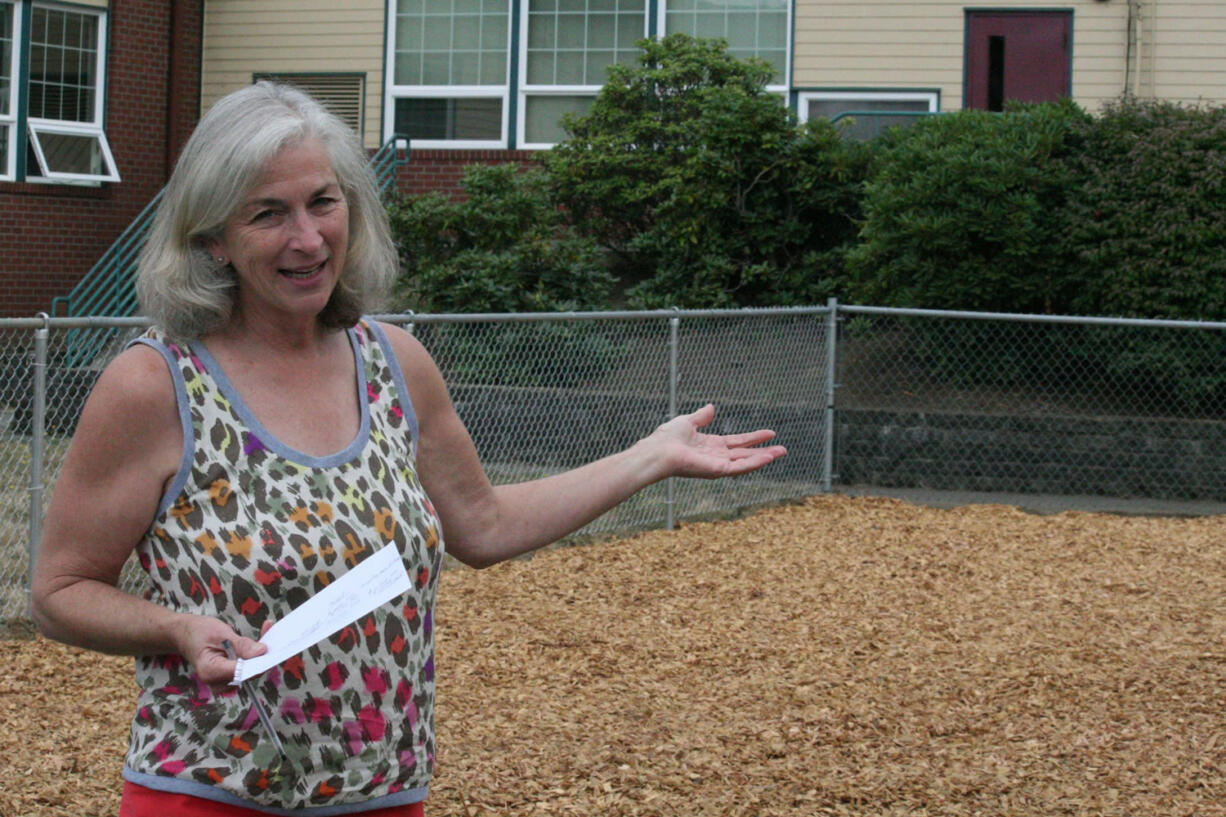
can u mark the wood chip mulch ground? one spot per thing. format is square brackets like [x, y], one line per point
[843, 655]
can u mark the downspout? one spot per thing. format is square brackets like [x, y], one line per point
[1153, 49]
[1135, 13]
[183, 58]
[1130, 34]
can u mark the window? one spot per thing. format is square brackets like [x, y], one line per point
[450, 66]
[752, 28]
[463, 75]
[867, 112]
[8, 70]
[62, 86]
[570, 46]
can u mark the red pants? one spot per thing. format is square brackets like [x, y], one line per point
[139, 801]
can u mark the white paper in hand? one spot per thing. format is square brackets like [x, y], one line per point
[376, 580]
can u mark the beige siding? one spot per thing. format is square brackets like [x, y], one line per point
[245, 37]
[839, 44]
[1184, 50]
[896, 44]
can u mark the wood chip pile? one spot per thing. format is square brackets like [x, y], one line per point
[844, 655]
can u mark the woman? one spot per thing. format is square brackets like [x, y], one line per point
[261, 441]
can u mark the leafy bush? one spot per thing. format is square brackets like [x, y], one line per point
[961, 211]
[1146, 232]
[504, 248]
[699, 183]
[1146, 227]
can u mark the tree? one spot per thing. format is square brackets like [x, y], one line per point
[700, 185]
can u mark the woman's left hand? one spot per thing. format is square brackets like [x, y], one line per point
[688, 452]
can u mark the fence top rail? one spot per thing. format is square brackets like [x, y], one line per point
[106, 322]
[98, 322]
[625, 315]
[79, 322]
[1022, 317]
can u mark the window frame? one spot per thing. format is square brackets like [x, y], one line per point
[789, 36]
[515, 93]
[35, 127]
[26, 129]
[9, 119]
[804, 97]
[524, 91]
[393, 91]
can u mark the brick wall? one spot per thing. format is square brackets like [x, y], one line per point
[442, 170]
[50, 235]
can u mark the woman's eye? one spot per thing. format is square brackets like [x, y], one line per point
[264, 215]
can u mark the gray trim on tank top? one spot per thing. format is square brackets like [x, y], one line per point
[185, 422]
[393, 363]
[268, 439]
[176, 785]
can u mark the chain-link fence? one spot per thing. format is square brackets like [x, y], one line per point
[539, 393]
[964, 402]
[1031, 404]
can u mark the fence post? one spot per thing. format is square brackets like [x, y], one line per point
[674, 331]
[832, 334]
[38, 429]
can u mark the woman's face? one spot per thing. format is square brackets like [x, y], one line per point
[287, 239]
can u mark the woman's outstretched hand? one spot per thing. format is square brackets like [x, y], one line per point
[688, 452]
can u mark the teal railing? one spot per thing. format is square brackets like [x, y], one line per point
[385, 161]
[109, 289]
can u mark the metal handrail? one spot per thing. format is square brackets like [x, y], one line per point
[846, 114]
[387, 159]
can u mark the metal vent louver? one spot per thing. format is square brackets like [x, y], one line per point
[342, 94]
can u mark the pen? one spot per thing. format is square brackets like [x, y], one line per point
[259, 705]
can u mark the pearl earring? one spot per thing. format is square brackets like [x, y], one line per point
[221, 261]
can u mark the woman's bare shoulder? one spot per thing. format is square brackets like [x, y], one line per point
[132, 406]
[140, 380]
[421, 374]
[409, 350]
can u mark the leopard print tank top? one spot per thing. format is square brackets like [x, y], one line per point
[248, 531]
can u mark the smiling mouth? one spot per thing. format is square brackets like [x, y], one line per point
[304, 273]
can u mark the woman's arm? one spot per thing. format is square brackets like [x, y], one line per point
[125, 450]
[485, 524]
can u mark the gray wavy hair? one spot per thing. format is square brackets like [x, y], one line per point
[179, 284]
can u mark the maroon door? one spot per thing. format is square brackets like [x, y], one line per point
[1022, 55]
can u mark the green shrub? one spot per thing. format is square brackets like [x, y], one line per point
[1146, 232]
[504, 248]
[961, 212]
[1146, 227]
[700, 185]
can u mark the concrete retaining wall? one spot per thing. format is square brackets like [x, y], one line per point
[1153, 458]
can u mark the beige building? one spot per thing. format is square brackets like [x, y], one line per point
[1167, 49]
[497, 74]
